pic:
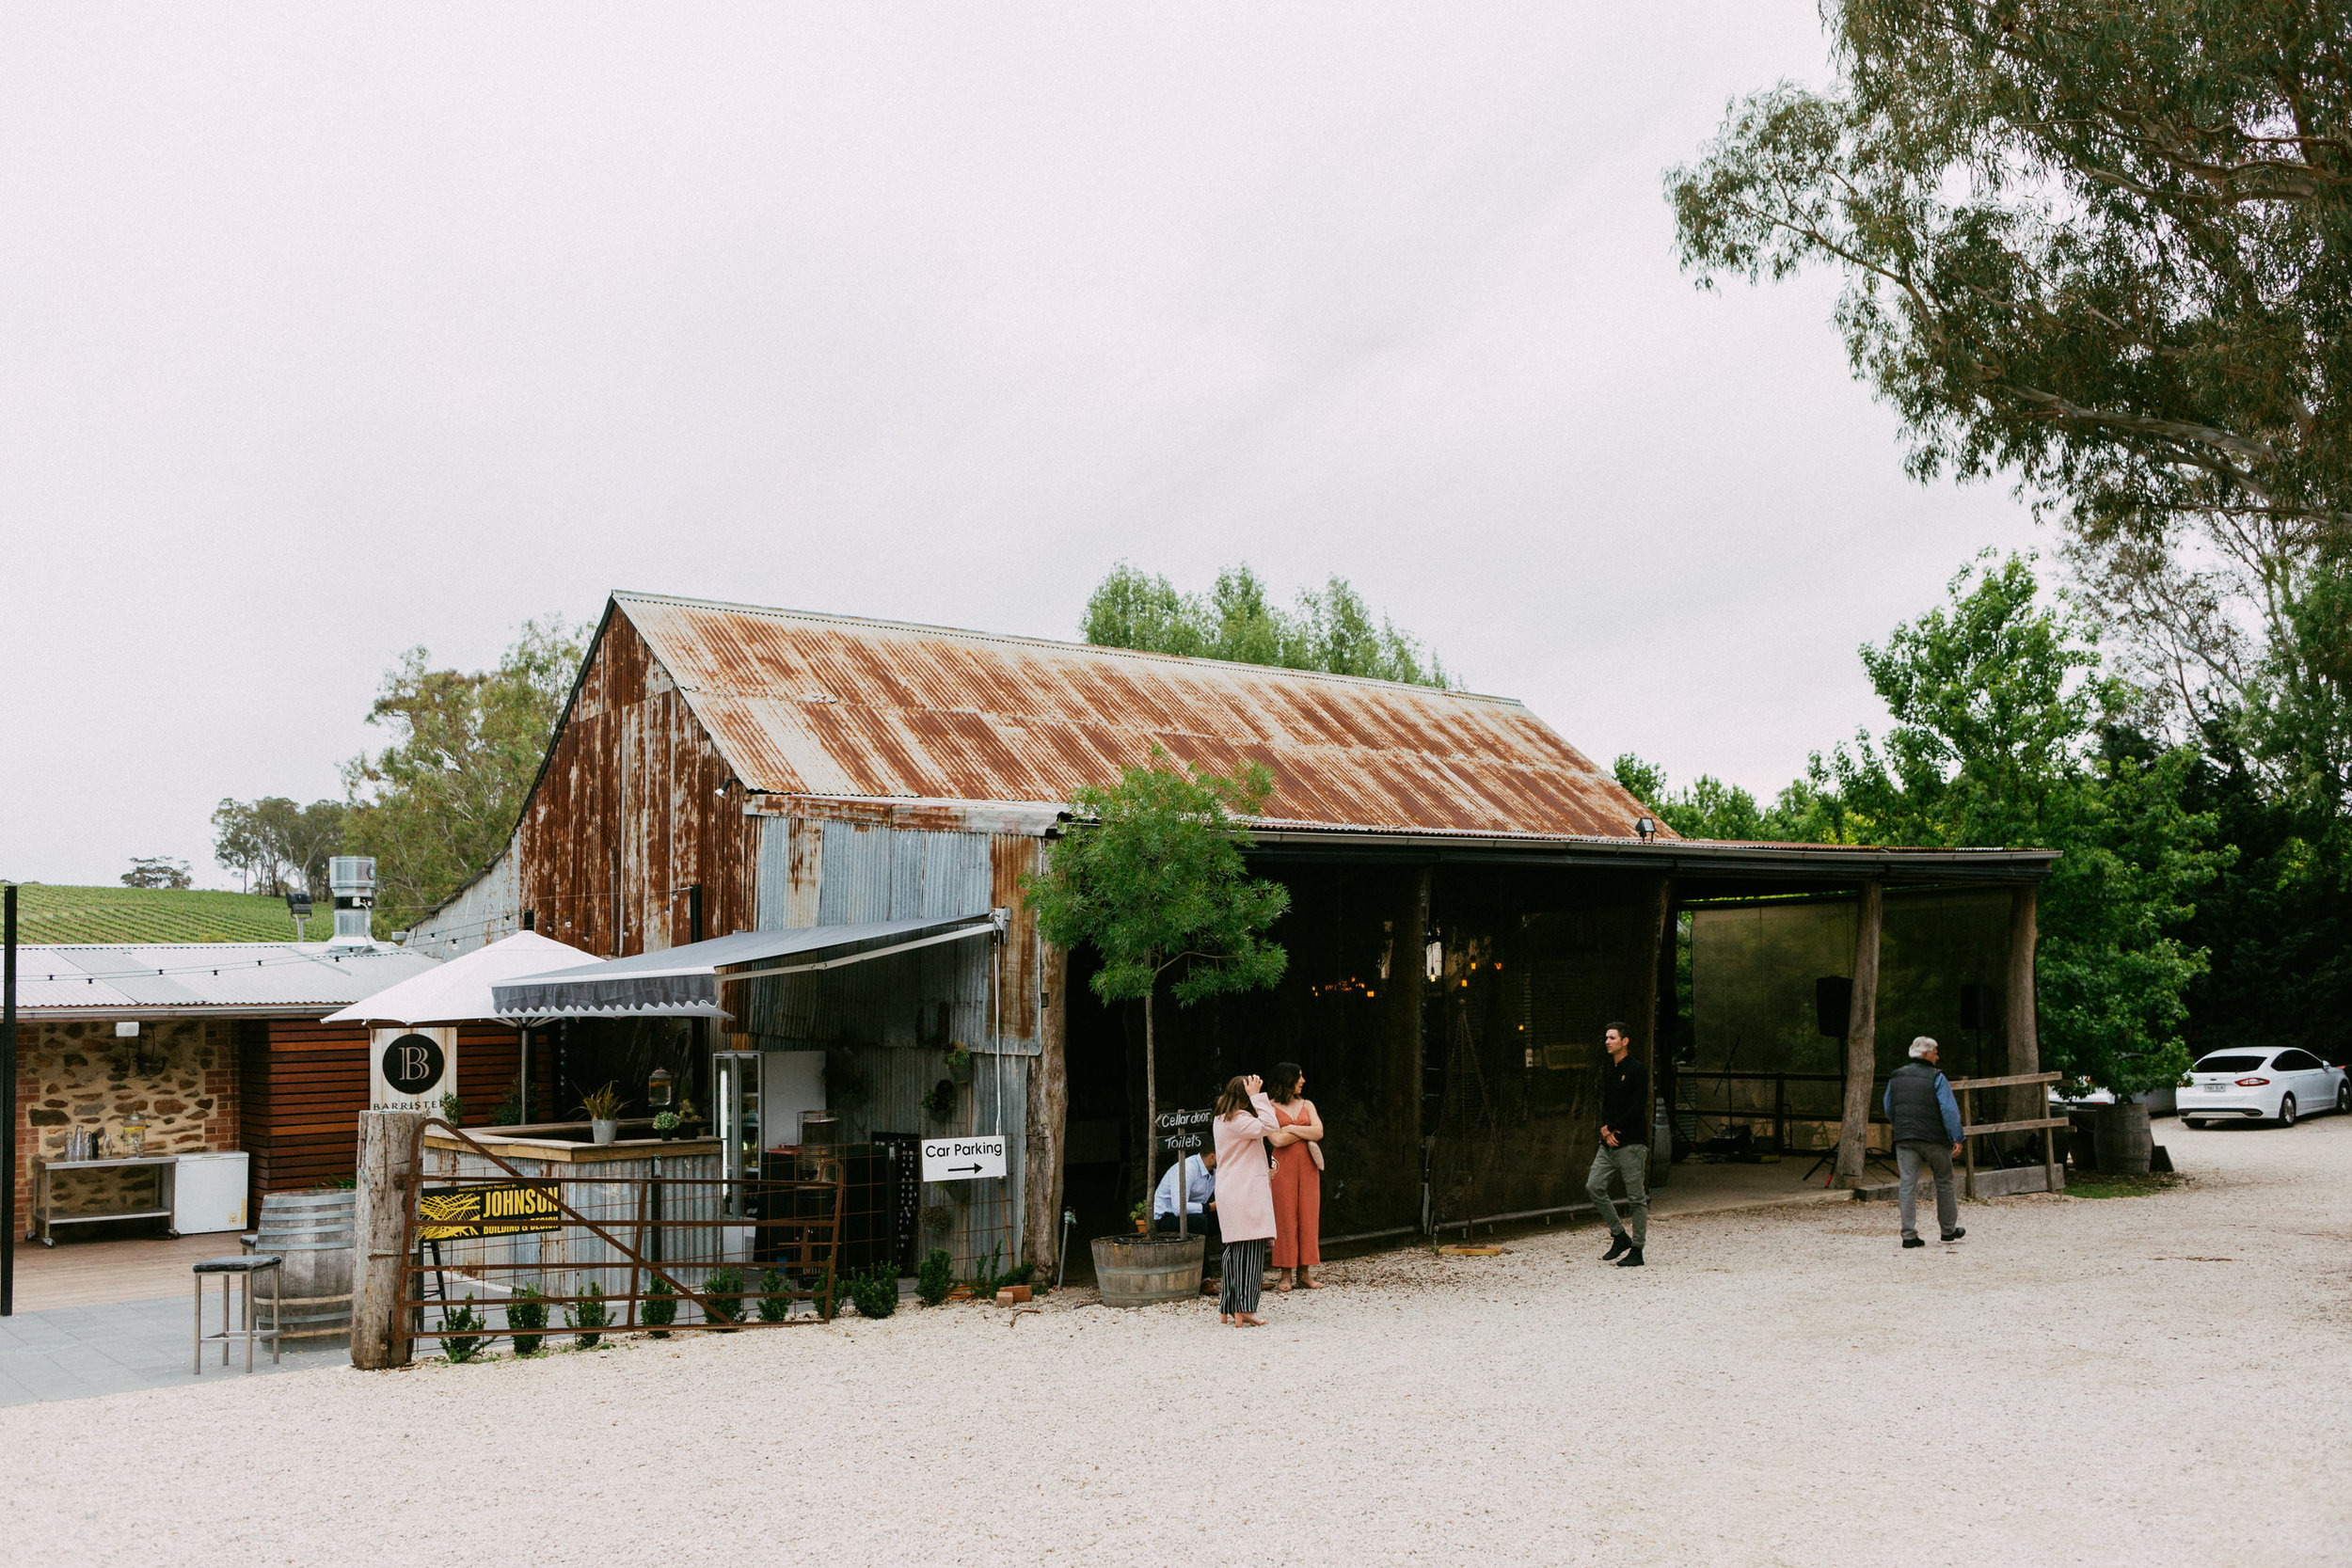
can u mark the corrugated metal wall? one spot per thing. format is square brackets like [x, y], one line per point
[485, 910]
[887, 1025]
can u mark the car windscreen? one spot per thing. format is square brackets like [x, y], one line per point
[2228, 1064]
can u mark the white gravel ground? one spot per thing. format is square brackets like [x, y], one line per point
[2142, 1381]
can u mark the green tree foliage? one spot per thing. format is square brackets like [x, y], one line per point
[156, 871]
[1151, 876]
[2108, 249]
[277, 846]
[1803, 813]
[440, 802]
[2005, 732]
[1332, 630]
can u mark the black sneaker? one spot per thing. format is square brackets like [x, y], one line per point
[1956, 1234]
[1619, 1241]
[1632, 1258]
[1914, 1241]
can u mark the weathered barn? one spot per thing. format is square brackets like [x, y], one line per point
[1470, 900]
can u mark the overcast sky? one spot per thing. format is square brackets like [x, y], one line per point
[333, 330]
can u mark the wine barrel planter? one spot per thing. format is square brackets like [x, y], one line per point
[2122, 1139]
[1139, 1271]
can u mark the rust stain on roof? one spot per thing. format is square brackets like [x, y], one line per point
[821, 705]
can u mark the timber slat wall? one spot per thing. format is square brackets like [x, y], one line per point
[305, 1083]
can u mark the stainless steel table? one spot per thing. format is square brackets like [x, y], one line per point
[46, 1219]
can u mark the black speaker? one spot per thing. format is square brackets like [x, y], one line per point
[1833, 1005]
[1972, 1006]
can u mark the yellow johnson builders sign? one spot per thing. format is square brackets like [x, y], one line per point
[503, 1208]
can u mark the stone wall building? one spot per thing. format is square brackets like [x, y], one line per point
[210, 1020]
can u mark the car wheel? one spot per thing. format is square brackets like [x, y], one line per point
[2286, 1110]
[2344, 1097]
[2195, 1124]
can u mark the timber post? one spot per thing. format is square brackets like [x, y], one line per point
[1048, 1119]
[1653, 1006]
[380, 1216]
[1862, 1055]
[2024, 1039]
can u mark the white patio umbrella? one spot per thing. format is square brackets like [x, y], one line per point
[458, 992]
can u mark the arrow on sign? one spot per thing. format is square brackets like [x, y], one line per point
[974, 1165]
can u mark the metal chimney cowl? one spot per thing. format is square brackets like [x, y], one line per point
[351, 880]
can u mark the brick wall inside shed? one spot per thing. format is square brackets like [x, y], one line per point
[180, 1073]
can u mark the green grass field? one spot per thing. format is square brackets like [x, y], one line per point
[45, 912]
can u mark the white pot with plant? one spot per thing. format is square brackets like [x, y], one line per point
[603, 1111]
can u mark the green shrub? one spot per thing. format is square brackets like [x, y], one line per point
[723, 1294]
[660, 1306]
[936, 1277]
[986, 1280]
[775, 1297]
[588, 1316]
[526, 1314]
[875, 1291]
[462, 1346]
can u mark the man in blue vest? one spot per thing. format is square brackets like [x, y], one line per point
[1926, 1122]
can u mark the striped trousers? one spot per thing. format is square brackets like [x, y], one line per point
[1244, 1271]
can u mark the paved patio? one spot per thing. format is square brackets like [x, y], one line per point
[114, 1347]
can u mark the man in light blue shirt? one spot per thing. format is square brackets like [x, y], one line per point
[1198, 1174]
[1926, 1124]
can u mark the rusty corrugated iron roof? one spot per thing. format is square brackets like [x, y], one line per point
[802, 703]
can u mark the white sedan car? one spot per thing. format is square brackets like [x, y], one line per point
[2258, 1085]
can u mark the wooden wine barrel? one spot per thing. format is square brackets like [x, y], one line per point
[1139, 1271]
[2122, 1140]
[313, 1232]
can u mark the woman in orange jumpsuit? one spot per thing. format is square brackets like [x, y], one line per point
[1297, 1178]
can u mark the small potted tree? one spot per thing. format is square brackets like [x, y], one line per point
[1152, 874]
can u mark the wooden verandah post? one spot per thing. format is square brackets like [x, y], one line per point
[2025, 1041]
[1861, 1015]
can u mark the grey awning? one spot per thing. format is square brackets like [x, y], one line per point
[683, 982]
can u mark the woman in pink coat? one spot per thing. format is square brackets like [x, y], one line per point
[1245, 1197]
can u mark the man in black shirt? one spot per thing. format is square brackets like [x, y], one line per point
[1625, 1119]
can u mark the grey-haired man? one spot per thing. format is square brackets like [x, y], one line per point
[1926, 1123]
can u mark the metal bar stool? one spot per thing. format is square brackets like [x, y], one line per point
[244, 1267]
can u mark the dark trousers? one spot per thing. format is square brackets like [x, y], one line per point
[1198, 1225]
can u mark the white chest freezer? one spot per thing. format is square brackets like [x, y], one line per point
[208, 1193]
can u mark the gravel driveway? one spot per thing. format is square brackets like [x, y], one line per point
[2145, 1380]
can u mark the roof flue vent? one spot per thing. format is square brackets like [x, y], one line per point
[352, 880]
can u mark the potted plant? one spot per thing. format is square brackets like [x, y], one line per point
[690, 1121]
[603, 1111]
[1141, 1214]
[1151, 874]
[959, 1064]
[940, 1099]
[667, 1125]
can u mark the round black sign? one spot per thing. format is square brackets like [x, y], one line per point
[413, 1063]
